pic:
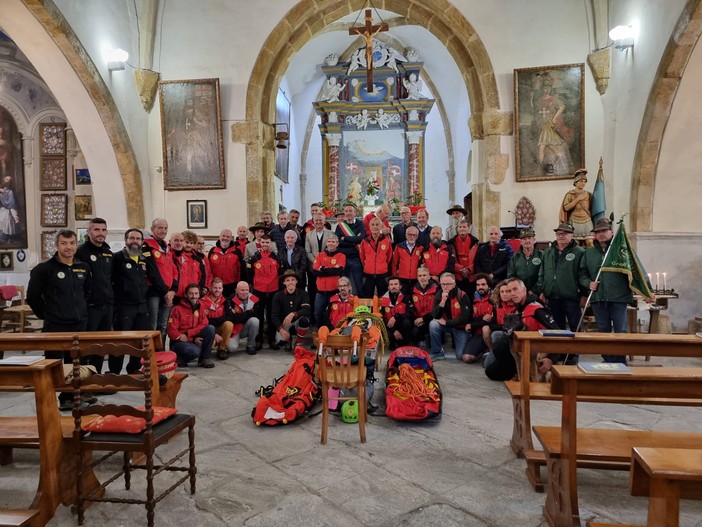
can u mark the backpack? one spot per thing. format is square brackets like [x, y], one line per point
[291, 395]
[412, 391]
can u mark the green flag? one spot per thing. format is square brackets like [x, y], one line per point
[623, 259]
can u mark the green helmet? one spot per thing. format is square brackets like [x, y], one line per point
[362, 309]
[349, 411]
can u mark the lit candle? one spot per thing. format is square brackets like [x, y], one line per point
[665, 283]
[649, 280]
[658, 281]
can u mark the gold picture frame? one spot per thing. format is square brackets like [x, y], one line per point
[191, 131]
[549, 114]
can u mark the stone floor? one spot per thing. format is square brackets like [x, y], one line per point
[458, 471]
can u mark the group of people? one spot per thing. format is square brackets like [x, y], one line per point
[290, 276]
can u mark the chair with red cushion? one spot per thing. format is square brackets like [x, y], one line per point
[136, 430]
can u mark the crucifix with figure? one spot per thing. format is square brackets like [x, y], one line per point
[368, 31]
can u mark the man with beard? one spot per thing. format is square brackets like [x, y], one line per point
[342, 303]
[482, 316]
[189, 330]
[423, 295]
[438, 256]
[242, 313]
[451, 313]
[526, 262]
[216, 307]
[164, 285]
[534, 316]
[351, 233]
[97, 255]
[465, 247]
[129, 281]
[397, 314]
[226, 262]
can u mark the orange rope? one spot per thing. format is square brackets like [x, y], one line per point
[411, 384]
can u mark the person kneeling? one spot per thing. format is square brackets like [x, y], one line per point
[242, 314]
[291, 311]
[190, 333]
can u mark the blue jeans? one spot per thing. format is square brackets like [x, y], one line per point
[611, 318]
[460, 338]
[354, 272]
[158, 314]
[565, 309]
[321, 302]
[189, 351]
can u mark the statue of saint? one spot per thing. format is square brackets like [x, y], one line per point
[575, 208]
[330, 90]
[413, 87]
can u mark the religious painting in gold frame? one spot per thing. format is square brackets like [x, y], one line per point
[549, 113]
[191, 131]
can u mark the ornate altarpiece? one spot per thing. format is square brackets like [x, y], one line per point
[373, 138]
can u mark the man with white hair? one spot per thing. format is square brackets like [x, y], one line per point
[493, 256]
[399, 230]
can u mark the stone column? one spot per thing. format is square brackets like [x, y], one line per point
[333, 141]
[414, 164]
[303, 194]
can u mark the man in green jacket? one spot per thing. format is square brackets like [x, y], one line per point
[526, 262]
[559, 278]
[610, 293]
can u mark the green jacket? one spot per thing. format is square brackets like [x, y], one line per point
[614, 287]
[560, 272]
[526, 269]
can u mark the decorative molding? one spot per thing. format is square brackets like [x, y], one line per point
[600, 63]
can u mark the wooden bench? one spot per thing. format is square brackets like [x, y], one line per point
[568, 447]
[17, 517]
[666, 475]
[527, 345]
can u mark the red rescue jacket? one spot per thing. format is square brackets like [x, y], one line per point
[186, 319]
[423, 300]
[376, 255]
[238, 310]
[390, 309]
[464, 249]
[226, 263]
[191, 270]
[328, 267]
[437, 259]
[404, 262]
[339, 308]
[164, 263]
[265, 272]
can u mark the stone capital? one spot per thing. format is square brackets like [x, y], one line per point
[600, 63]
[333, 139]
[414, 138]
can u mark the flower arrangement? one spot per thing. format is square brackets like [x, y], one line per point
[372, 187]
[415, 199]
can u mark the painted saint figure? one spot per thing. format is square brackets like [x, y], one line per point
[554, 136]
[9, 210]
[575, 208]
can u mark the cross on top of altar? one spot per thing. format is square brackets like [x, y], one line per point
[368, 31]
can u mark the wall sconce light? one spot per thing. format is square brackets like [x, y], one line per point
[116, 59]
[623, 37]
[281, 137]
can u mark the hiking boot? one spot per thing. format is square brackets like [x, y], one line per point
[252, 351]
[206, 363]
[437, 356]
[288, 346]
[67, 406]
[259, 345]
[222, 354]
[274, 346]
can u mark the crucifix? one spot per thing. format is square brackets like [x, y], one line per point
[368, 31]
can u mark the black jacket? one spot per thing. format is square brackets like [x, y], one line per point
[465, 308]
[349, 244]
[284, 304]
[99, 261]
[299, 263]
[129, 279]
[494, 264]
[58, 292]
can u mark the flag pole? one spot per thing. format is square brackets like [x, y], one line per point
[599, 272]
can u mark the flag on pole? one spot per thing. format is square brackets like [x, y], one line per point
[599, 202]
[622, 258]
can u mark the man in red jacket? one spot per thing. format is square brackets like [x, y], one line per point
[265, 269]
[242, 313]
[405, 259]
[328, 266]
[482, 316]
[189, 330]
[438, 255]
[397, 314]
[226, 262]
[191, 268]
[216, 306]
[376, 254]
[465, 247]
[342, 303]
[423, 295]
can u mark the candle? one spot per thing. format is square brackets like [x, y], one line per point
[649, 280]
[658, 281]
[665, 283]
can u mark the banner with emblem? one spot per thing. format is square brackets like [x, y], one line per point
[621, 258]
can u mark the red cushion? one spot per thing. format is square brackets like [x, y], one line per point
[127, 424]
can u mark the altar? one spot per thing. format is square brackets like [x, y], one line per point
[373, 134]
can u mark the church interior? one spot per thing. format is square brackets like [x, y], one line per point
[209, 112]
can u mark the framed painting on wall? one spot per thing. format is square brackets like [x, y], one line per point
[191, 131]
[549, 113]
[13, 215]
[196, 210]
[53, 210]
[52, 137]
[83, 176]
[6, 261]
[84, 207]
[52, 173]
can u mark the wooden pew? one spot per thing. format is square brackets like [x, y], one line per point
[17, 517]
[528, 344]
[564, 446]
[666, 475]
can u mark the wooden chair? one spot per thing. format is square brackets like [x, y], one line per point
[341, 364]
[19, 317]
[133, 445]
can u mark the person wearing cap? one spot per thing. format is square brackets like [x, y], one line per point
[351, 233]
[610, 293]
[258, 230]
[526, 262]
[575, 208]
[493, 256]
[457, 213]
[291, 311]
[559, 278]
[399, 230]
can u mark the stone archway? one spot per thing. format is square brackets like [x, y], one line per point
[41, 32]
[677, 53]
[306, 20]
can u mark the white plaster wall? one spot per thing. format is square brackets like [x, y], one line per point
[678, 182]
